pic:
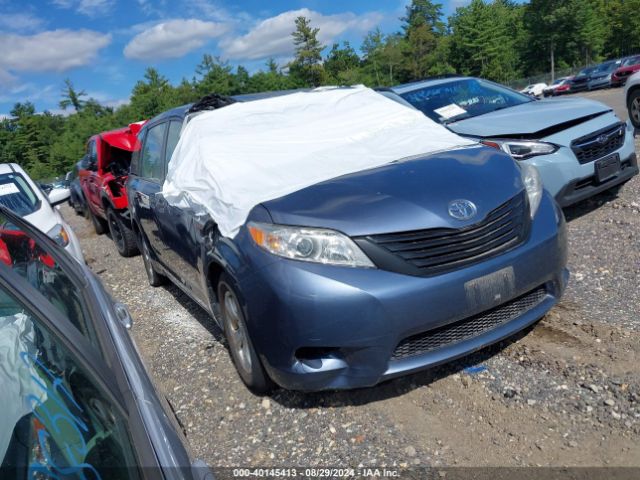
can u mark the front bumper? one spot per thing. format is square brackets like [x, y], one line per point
[568, 180]
[584, 188]
[619, 81]
[579, 87]
[73, 247]
[321, 327]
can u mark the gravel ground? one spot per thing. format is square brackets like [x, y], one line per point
[564, 393]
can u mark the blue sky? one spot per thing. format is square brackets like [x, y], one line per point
[104, 46]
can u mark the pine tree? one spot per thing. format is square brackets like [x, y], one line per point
[307, 66]
[71, 97]
[423, 29]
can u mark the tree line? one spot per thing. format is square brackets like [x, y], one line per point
[496, 39]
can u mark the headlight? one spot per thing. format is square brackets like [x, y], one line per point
[533, 184]
[309, 245]
[521, 150]
[60, 235]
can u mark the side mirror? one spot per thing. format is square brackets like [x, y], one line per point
[58, 196]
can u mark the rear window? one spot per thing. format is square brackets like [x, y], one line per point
[17, 195]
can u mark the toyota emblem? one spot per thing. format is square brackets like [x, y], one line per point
[462, 209]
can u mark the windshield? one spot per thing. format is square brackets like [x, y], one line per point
[631, 61]
[17, 195]
[465, 98]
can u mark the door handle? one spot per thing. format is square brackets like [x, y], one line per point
[123, 315]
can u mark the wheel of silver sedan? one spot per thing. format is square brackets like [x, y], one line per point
[237, 331]
[243, 353]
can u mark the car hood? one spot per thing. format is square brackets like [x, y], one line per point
[529, 118]
[45, 218]
[409, 195]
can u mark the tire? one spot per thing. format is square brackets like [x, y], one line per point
[121, 234]
[155, 278]
[241, 348]
[634, 107]
[76, 204]
[99, 225]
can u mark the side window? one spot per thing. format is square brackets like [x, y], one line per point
[172, 139]
[56, 419]
[152, 161]
[33, 262]
[92, 151]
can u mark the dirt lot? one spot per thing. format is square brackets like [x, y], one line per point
[565, 393]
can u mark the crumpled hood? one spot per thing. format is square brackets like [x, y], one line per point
[528, 118]
[404, 196]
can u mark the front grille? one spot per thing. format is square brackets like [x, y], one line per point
[469, 327]
[599, 144]
[438, 250]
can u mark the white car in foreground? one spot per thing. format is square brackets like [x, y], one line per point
[534, 90]
[21, 195]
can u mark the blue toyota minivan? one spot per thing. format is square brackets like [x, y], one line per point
[365, 277]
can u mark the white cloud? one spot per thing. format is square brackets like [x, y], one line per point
[90, 8]
[213, 10]
[50, 51]
[272, 37]
[30, 92]
[7, 80]
[20, 22]
[172, 39]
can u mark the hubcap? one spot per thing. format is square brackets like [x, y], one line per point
[237, 331]
[635, 110]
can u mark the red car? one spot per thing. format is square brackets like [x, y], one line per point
[107, 168]
[630, 66]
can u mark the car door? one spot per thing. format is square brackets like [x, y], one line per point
[64, 412]
[92, 188]
[147, 184]
[177, 226]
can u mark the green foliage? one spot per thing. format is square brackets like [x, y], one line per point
[423, 32]
[71, 98]
[342, 65]
[501, 40]
[621, 21]
[307, 67]
[484, 40]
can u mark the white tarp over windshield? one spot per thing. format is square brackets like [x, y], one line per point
[231, 159]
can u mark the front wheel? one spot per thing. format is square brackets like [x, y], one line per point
[241, 348]
[121, 234]
[634, 108]
[99, 225]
